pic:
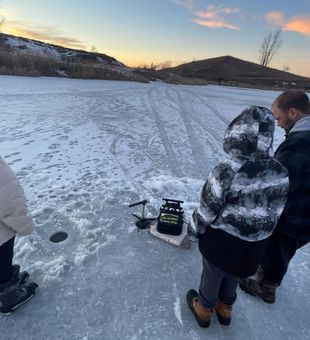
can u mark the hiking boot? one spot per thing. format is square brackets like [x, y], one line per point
[201, 313]
[17, 278]
[262, 289]
[223, 313]
[15, 295]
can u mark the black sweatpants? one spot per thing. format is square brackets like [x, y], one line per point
[280, 251]
[6, 257]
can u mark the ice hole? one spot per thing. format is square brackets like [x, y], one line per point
[58, 237]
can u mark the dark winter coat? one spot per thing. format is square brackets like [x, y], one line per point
[243, 197]
[294, 154]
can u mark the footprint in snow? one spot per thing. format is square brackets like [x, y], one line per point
[47, 157]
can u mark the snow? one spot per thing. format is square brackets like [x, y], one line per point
[83, 151]
[38, 48]
[34, 47]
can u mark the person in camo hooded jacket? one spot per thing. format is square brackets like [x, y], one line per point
[240, 205]
[15, 286]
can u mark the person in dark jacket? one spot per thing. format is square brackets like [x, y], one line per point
[292, 111]
[240, 205]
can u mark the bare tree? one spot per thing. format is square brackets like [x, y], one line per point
[270, 45]
[93, 48]
[149, 67]
[2, 21]
[155, 67]
[164, 65]
[286, 68]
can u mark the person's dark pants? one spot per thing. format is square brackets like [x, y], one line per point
[6, 257]
[280, 251]
[216, 285]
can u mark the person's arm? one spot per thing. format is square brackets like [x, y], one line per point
[14, 212]
[291, 155]
[211, 199]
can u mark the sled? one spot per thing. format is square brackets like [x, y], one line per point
[169, 226]
[177, 240]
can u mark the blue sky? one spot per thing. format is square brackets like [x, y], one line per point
[139, 32]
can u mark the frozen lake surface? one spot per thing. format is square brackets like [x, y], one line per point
[83, 151]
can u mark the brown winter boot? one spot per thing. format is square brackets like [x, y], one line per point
[223, 313]
[263, 289]
[202, 314]
[259, 274]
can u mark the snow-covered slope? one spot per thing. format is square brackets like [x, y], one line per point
[22, 56]
[84, 150]
[24, 45]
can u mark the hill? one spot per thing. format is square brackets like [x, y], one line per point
[28, 57]
[228, 70]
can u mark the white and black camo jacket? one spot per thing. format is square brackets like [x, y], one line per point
[245, 195]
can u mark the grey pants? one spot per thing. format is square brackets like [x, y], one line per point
[216, 285]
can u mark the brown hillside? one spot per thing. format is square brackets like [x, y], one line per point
[230, 70]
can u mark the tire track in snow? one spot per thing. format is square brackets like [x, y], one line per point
[138, 186]
[175, 101]
[214, 135]
[198, 149]
[211, 108]
[214, 139]
[118, 140]
[112, 147]
[113, 152]
[171, 158]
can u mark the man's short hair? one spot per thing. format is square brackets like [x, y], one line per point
[293, 99]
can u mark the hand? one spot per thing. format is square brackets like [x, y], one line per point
[192, 235]
[186, 243]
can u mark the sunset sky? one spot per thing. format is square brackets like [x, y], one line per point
[138, 32]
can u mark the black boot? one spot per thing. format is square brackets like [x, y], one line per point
[19, 277]
[15, 295]
[16, 278]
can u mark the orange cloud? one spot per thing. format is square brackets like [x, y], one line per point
[275, 18]
[215, 11]
[42, 33]
[215, 24]
[214, 16]
[300, 24]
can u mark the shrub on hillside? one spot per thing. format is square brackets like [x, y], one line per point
[35, 65]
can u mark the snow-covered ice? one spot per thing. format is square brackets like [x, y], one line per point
[83, 151]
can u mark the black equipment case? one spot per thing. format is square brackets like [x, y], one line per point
[170, 220]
